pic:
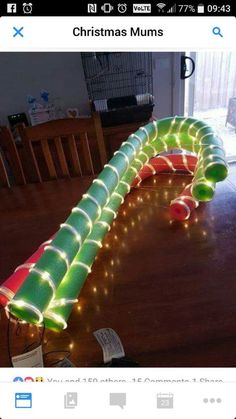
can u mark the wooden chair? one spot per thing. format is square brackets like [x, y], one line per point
[58, 143]
[11, 155]
[4, 179]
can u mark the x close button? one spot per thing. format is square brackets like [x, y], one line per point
[18, 31]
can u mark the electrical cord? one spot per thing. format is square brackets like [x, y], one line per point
[67, 355]
[27, 348]
[8, 342]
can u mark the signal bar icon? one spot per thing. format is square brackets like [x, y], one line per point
[172, 9]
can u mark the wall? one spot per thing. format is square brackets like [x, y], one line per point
[168, 89]
[27, 73]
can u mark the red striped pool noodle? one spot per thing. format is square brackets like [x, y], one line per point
[11, 285]
[182, 206]
[169, 163]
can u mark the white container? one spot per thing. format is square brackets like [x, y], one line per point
[38, 116]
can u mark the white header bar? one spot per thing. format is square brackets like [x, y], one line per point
[117, 33]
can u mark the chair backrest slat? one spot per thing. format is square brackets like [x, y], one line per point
[74, 155]
[86, 152]
[4, 179]
[8, 146]
[48, 159]
[100, 138]
[61, 156]
[30, 152]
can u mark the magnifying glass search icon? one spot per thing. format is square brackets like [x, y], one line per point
[216, 31]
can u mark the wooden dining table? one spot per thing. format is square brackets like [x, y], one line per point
[167, 288]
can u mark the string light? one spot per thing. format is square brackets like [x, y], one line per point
[130, 145]
[146, 132]
[63, 302]
[60, 253]
[123, 155]
[156, 129]
[119, 196]
[152, 148]
[151, 168]
[145, 155]
[192, 125]
[84, 213]
[200, 129]
[114, 170]
[45, 276]
[24, 266]
[96, 242]
[168, 162]
[163, 143]
[73, 231]
[139, 162]
[137, 138]
[178, 143]
[185, 162]
[126, 184]
[94, 200]
[134, 170]
[83, 265]
[108, 209]
[45, 243]
[6, 292]
[101, 183]
[104, 224]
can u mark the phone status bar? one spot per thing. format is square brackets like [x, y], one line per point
[111, 8]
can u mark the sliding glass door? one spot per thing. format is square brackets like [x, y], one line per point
[210, 94]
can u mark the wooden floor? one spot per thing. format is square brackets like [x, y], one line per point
[167, 288]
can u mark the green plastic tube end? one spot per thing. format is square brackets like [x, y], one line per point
[216, 172]
[203, 191]
[54, 322]
[26, 312]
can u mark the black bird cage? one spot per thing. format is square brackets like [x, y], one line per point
[120, 85]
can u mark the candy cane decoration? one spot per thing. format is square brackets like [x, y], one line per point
[51, 287]
[181, 209]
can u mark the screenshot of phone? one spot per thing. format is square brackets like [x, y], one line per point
[117, 210]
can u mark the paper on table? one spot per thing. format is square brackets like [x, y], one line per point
[110, 343]
[32, 359]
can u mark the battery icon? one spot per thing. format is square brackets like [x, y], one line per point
[200, 8]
